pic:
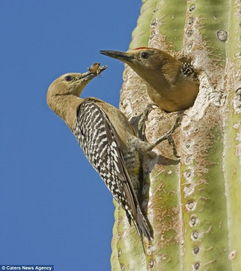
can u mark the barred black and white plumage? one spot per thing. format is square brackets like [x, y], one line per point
[101, 145]
[187, 69]
[107, 139]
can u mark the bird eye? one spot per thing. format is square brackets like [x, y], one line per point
[144, 55]
[68, 78]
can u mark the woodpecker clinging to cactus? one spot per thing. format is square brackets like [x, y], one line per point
[107, 139]
[173, 84]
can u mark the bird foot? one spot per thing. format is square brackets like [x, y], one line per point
[168, 136]
[139, 124]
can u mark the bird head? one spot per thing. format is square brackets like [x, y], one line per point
[143, 59]
[73, 83]
[63, 93]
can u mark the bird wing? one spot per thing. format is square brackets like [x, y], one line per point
[101, 145]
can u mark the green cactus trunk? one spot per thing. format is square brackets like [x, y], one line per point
[194, 207]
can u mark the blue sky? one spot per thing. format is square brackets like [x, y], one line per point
[54, 208]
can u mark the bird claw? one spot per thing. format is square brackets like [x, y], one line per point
[172, 143]
[168, 137]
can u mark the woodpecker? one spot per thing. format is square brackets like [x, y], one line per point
[172, 84]
[106, 138]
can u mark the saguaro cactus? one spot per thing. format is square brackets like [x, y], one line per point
[194, 207]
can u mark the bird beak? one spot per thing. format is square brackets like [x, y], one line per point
[122, 56]
[86, 75]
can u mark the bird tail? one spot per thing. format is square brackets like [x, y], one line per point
[142, 225]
